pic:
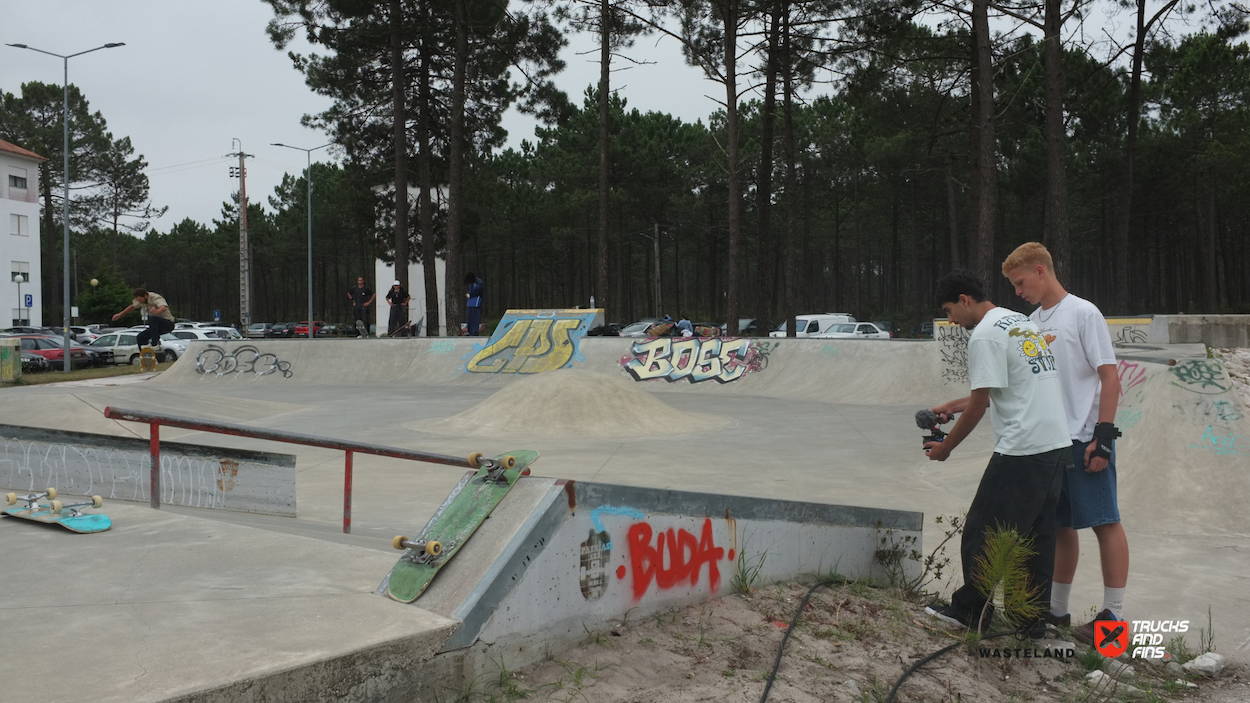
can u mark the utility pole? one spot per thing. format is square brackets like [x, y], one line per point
[245, 259]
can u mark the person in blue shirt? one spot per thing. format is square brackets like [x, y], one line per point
[684, 328]
[473, 304]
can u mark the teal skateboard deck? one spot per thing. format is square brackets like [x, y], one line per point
[68, 516]
[454, 523]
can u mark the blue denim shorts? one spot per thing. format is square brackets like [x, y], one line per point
[1087, 499]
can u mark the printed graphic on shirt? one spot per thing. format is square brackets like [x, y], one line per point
[1035, 348]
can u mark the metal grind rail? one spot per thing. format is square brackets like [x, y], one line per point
[155, 420]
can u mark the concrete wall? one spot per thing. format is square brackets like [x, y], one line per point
[119, 468]
[559, 559]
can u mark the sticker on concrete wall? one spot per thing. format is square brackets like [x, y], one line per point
[592, 573]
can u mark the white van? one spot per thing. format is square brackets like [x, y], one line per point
[813, 324]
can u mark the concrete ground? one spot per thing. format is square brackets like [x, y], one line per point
[181, 600]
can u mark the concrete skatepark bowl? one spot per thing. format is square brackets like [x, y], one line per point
[815, 439]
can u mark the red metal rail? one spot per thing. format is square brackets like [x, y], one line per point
[155, 420]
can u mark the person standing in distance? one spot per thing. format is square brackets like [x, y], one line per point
[473, 303]
[160, 319]
[362, 297]
[1012, 374]
[1078, 336]
[398, 299]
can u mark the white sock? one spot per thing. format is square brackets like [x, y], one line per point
[1059, 593]
[1113, 600]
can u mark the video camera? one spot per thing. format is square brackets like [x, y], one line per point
[929, 420]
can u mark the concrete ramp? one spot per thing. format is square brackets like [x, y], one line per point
[559, 559]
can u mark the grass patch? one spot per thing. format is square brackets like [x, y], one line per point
[45, 377]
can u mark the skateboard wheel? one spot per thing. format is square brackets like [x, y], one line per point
[51, 493]
[526, 472]
[56, 507]
[398, 542]
[96, 501]
[475, 459]
[509, 462]
[11, 498]
[433, 548]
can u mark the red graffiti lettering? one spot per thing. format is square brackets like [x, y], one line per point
[1131, 374]
[686, 557]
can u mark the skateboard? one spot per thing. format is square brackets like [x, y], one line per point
[360, 328]
[454, 523]
[68, 516]
[147, 359]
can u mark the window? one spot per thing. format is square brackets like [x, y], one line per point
[20, 267]
[867, 329]
[106, 341]
[21, 317]
[17, 178]
[19, 225]
[127, 340]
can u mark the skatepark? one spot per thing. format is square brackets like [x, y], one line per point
[795, 446]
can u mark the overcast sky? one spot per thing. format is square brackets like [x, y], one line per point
[195, 75]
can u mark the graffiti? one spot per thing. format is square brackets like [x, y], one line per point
[1126, 418]
[1201, 376]
[954, 348]
[443, 347]
[1226, 411]
[532, 341]
[1130, 335]
[686, 556]
[246, 359]
[1222, 444]
[592, 570]
[830, 351]
[1212, 410]
[696, 359]
[1131, 374]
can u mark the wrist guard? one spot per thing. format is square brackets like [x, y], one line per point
[1105, 434]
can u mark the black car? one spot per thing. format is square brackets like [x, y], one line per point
[282, 329]
[611, 329]
[33, 362]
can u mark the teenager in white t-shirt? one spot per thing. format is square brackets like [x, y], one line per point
[1012, 374]
[1078, 337]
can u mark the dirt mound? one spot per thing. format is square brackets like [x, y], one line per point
[574, 401]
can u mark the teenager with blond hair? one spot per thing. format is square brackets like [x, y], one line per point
[1077, 335]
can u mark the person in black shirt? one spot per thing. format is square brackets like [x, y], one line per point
[398, 298]
[362, 297]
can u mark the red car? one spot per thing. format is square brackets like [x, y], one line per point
[51, 348]
[301, 329]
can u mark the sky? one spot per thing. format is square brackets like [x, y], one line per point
[196, 75]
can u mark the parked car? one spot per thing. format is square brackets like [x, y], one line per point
[189, 325]
[812, 324]
[885, 326]
[210, 333]
[174, 347]
[258, 329]
[611, 329]
[124, 345]
[853, 330]
[301, 329]
[32, 362]
[639, 328]
[282, 329]
[746, 327]
[51, 349]
[84, 334]
[925, 329]
[22, 330]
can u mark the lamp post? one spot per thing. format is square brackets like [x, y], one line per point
[308, 153]
[65, 210]
[20, 307]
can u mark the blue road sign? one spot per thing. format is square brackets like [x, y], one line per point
[30, 300]
[216, 315]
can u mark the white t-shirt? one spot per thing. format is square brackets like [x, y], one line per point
[1007, 355]
[1078, 336]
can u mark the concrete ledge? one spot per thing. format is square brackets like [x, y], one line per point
[119, 468]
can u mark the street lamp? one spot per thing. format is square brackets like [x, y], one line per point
[20, 307]
[308, 153]
[65, 211]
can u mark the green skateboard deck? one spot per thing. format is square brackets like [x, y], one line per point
[68, 516]
[453, 524]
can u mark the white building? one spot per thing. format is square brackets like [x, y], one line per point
[20, 303]
[384, 276]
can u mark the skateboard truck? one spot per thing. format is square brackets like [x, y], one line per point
[73, 508]
[494, 467]
[32, 499]
[427, 550]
